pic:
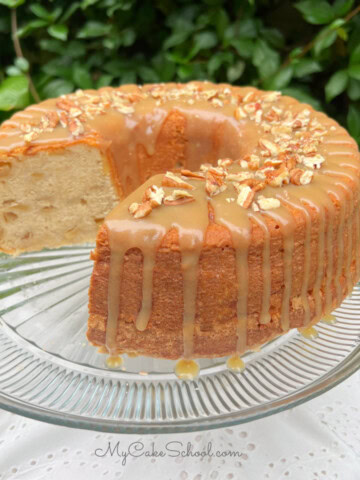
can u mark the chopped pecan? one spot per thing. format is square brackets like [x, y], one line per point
[214, 184]
[65, 104]
[140, 210]
[268, 203]
[313, 161]
[301, 177]
[271, 96]
[217, 171]
[171, 180]
[224, 162]
[178, 197]
[75, 126]
[191, 174]
[239, 177]
[270, 146]
[277, 177]
[273, 162]
[205, 167]
[245, 196]
[254, 162]
[154, 195]
[249, 96]
[239, 113]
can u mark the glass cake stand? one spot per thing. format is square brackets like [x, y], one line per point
[49, 372]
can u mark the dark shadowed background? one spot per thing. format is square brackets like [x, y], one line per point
[308, 49]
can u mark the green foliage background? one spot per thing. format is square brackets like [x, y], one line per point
[308, 49]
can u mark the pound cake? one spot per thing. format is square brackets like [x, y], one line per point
[238, 216]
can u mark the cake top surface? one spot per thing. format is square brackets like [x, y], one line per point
[271, 140]
[269, 147]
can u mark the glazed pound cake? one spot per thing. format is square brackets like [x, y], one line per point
[256, 233]
[249, 227]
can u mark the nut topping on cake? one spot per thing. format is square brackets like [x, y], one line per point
[301, 177]
[171, 180]
[190, 174]
[268, 203]
[214, 184]
[314, 161]
[140, 210]
[245, 197]
[154, 195]
[286, 151]
[178, 197]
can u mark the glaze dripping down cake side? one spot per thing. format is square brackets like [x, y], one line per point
[249, 227]
[217, 261]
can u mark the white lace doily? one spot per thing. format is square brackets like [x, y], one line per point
[319, 440]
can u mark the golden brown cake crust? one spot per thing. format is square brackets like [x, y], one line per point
[131, 133]
[216, 319]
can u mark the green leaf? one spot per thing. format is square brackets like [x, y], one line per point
[339, 22]
[54, 46]
[12, 3]
[41, 12]
[164, 68]
[59, 66]
[217, 60]
[57, 87]
[354, 71]
[342, 33]
[128, 77]
[14, 93]
[265, 59]
[147, 74]
[128, 36]
[235, 71]
[295, 53]
[175, 39]
[353, 89]
[355, 56]
[317, 12]
[221, 22]
[342, 7]
[336, 85]
[82, 77]
[30, 27]
[243, 46]
[246, 28]
[274, 37]
[353, 121]
[302, 95]
[306, 66]
[13, 71]
[114, 5]
[324, 40]
[281, 79]
[70, 11]
[202, 41]
[22, 64]
[59, 32]
[88, 3]
[94, 29]
[104, 81]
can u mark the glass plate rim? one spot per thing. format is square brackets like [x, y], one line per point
[340, 371]
[332, 378]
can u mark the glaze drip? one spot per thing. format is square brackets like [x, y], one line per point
[323, 195]
[280, 162]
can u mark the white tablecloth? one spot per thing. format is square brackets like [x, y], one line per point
[319, 440]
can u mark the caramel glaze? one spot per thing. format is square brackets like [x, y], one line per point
[213, 128]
